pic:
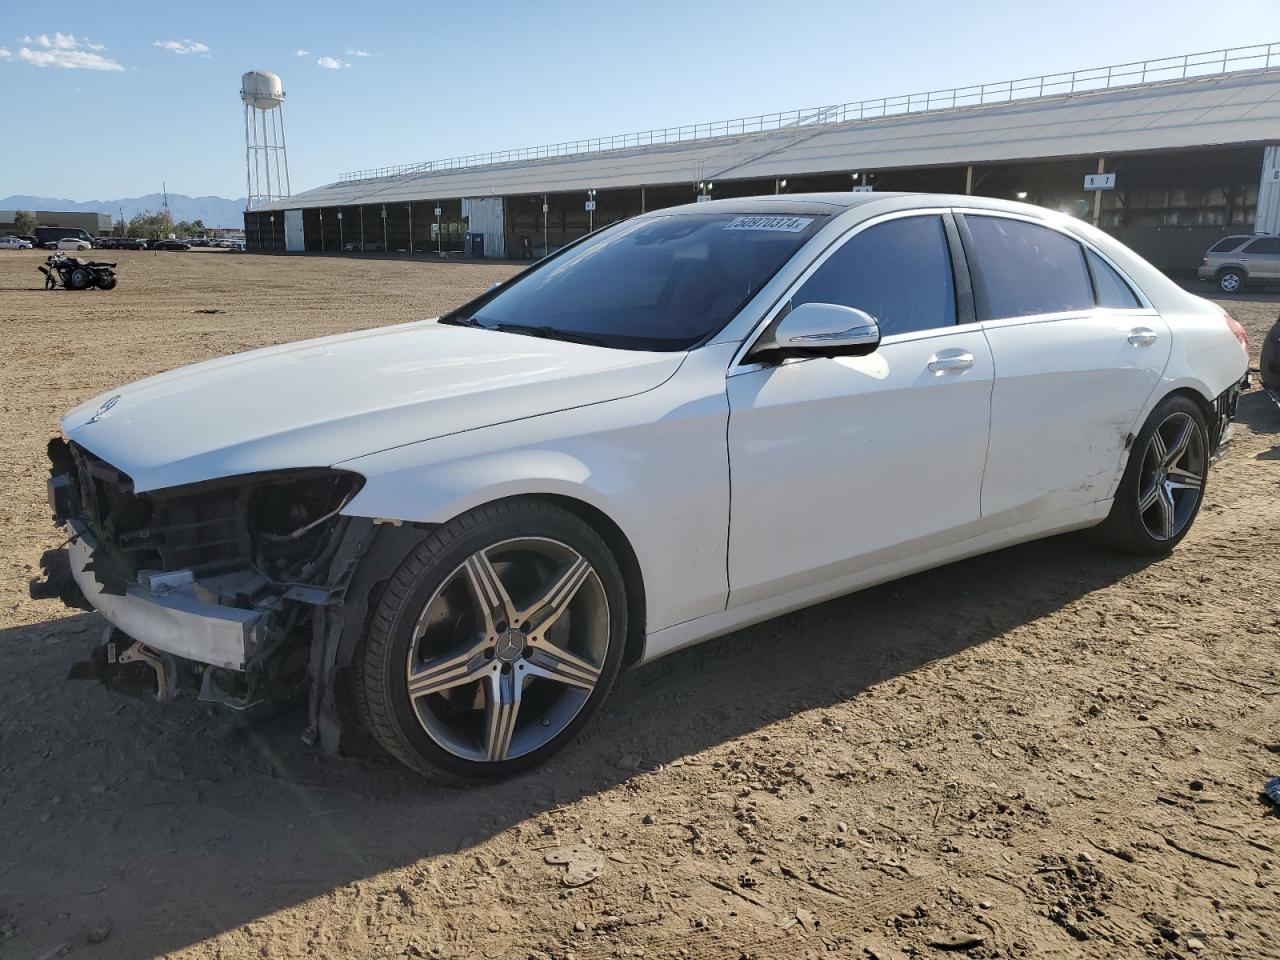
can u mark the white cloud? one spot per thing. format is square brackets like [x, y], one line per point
[331, 63]
[182, 47]
[64, 51]
[94, 46]
[60, 41]
[5, 54]
[357, 53]
[302, 53]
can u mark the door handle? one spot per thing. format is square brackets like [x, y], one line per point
[1142, 337]
[951, 361]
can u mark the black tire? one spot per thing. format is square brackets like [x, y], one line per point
[380, 684]
[1125, 529]
[106, 281]
[78, 279]
[1232, 280]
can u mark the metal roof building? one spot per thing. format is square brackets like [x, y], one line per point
[1189, 142]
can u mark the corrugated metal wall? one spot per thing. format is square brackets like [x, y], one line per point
[484, 215]
[1171, 248]
[1269, 192]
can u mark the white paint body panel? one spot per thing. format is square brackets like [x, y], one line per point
[744, 491]
[321, 401]
[1068, 394]
[841, 464]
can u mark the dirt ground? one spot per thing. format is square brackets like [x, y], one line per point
[1047, 752]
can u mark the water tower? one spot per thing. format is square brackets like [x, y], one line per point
[266, 159]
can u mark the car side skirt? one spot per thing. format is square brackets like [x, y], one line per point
[686, 634]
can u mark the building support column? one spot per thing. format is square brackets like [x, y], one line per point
[642, 199]
[410, 206]
[1097, 194]
[1268, 216]
[968, 180]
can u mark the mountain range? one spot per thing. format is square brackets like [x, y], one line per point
[214, 211]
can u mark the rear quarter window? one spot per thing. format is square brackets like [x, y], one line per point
[1227, 245]
[1113, 292]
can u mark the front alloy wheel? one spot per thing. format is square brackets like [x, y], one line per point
[494, 642]
[492, 677]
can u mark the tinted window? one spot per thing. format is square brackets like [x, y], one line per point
[1112, 290]
[1231, 243]
[898, 271]
[1265, 245]
[653, 283]
[1026, 269]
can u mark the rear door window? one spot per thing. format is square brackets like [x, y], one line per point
[1265, 246]
[1113, 292]
[1026, 269]
[898, 271]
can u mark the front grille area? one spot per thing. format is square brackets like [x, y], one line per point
[167, 530]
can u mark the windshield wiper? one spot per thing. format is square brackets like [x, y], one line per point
[549, 332]
[455, 321]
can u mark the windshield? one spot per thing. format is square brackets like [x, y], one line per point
[653, 283]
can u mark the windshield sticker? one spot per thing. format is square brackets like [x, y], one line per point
[777, 224]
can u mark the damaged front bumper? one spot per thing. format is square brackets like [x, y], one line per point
[221, 586]
[167, 615]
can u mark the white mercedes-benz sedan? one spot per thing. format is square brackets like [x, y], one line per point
[452, 534]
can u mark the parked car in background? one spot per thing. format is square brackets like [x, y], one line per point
[1269, 365]
[461, 529]
[69, 243]
[170, 245]
[14, 243]
[29, 238]
[1236, 262]
[122, 243]
[47, 236]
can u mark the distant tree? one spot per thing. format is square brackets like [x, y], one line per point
[151, 226]
[25, 222]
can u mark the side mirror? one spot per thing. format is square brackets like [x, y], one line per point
[819, 330]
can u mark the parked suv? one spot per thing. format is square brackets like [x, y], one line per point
[1234, 262]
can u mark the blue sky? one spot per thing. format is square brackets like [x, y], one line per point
[103, 100]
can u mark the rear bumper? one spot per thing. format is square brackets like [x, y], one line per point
[1225, 409]
[173, 620]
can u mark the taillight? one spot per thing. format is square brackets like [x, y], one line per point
[1238, 331]
[1204, 261]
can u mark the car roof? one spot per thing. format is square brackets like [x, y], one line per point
[832, 204]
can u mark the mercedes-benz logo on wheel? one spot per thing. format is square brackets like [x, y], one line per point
[510, 645]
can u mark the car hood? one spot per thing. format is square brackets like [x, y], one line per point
[320, 402]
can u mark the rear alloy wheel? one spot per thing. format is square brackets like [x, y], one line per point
[78, 279]
[494, 642]
[1164, 481]
[1173, 474]
[1231, 281]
